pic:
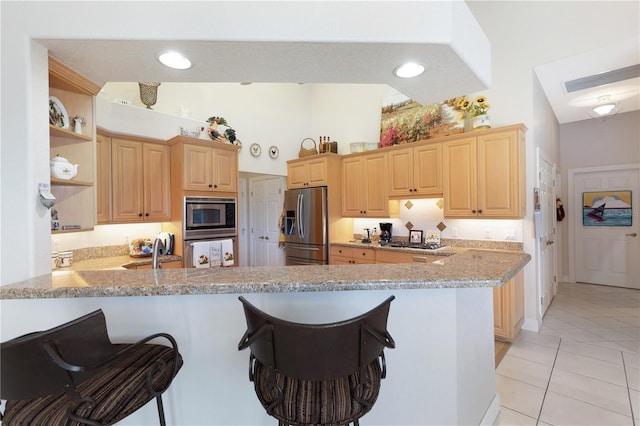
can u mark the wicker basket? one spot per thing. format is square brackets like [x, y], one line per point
[306, 152]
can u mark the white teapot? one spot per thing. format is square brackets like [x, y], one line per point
[62, 169]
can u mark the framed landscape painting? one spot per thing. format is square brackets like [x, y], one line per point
[607, 208]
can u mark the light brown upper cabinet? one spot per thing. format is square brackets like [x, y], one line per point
[416, 171]
[75, 198]
[484, 174]
[312, 171]
[206, 166]
[141, 181]
[103, 178]
[365, 186]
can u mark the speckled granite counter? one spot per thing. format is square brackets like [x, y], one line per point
[115, 262]
[467, 269]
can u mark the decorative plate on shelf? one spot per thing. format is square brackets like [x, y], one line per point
[255, 149]
[274, 152]
[57, 114]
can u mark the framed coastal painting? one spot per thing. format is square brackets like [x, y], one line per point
[607, 208]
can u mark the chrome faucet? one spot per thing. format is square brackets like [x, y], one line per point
[158, 247]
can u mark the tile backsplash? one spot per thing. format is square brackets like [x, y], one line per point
[427, 215]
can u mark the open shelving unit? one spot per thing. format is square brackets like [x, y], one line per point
[75, 198]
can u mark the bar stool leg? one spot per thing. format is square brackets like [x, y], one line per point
[160, 410]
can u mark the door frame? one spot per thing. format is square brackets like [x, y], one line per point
[541, 155]
[573, 224]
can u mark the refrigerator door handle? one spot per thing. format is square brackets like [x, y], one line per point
[300, 214]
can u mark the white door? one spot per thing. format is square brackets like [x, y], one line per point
[243, 229]
[606, 254]
[267, 198]
[547, 236]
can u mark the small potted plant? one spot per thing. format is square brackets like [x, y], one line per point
[475, 110]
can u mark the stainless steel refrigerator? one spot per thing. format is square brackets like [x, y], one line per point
[306, 233]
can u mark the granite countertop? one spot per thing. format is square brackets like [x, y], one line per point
[467, 269]
[115, 262]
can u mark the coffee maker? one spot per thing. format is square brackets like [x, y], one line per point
[385, 232]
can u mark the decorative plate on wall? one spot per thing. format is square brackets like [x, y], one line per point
[255, 149]
[274, 152]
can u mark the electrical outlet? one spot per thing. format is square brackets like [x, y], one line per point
[511, 234]
[487, 234]
[56, 245]
[127, 238]
[454, 232]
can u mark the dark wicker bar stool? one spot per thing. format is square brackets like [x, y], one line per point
[73, 375]
[325, 374]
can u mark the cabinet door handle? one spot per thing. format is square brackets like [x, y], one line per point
[633, 234]
[210, 186]
[473, 211]
[480, 211]
[139, 214]
[146, 214]
[215, 186]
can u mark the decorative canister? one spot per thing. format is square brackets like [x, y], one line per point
[141, 247]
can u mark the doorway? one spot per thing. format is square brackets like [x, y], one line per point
[266, 199]
[604, 254]
[546, 241]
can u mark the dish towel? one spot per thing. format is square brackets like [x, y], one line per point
[216, 257]
[201, 255]
[227, 252]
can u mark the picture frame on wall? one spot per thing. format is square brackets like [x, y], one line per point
[607, 208]
[415, 237]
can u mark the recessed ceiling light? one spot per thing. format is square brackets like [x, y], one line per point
[174, 60]
[408, 70]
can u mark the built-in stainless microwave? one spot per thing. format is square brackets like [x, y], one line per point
[207, 217]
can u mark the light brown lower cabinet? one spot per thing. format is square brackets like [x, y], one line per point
[340, 255]
[508, 308]
[384, 256]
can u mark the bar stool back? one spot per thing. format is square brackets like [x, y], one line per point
[73, 375]
[325, 374]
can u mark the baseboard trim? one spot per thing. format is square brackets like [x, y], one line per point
[531, 325]
[491, 415]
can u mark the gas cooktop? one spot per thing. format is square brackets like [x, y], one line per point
[420, 246]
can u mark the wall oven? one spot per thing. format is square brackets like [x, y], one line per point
[209, 217]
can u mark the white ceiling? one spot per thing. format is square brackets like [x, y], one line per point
[575, 106]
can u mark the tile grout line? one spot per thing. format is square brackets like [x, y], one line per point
[546, 389]
[626, 378]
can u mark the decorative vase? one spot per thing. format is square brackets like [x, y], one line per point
[149, 92]
[481, 122]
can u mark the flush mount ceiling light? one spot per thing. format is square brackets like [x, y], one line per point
[605, 108]
[408, 70]
[174, 60]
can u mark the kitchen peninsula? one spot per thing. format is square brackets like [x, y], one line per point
[442, 371]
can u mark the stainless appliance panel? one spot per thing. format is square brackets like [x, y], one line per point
[306, 216]
[187, 252]
[306, 233]
[306, 252]
[209, 217]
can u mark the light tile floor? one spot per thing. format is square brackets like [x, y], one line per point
[582, 368]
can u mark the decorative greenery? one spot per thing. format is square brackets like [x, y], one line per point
[479, 106]
[218, 120]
